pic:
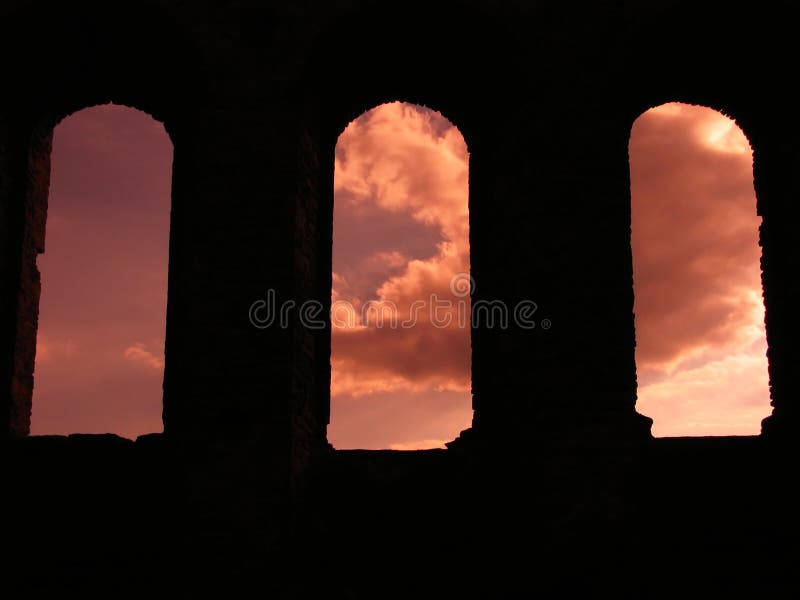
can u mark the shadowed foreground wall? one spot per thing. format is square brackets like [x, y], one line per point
[558, 486]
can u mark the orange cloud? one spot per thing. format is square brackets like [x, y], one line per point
[698, 306]
[408, 166]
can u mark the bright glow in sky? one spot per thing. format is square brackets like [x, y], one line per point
[701, 344]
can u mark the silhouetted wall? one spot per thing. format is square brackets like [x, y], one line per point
[254, 96]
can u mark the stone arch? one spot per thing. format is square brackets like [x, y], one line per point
[82, 55]
[86, 54]
[410, 123]
[742, 119]
[28, 286]
[431, 61]
[406, 60]
[101, 316]
[322, 125]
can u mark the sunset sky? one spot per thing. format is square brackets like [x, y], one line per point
[701, 345]
[400, 235]
[102, 317]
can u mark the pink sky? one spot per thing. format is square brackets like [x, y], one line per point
[100, 346]
[400, 234]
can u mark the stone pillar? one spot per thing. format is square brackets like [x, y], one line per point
[24, 183]
[550, 219]
[10, 236]
[776, 163]
[244, 237]
[241, 405]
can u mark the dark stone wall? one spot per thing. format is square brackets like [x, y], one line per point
[558, 486]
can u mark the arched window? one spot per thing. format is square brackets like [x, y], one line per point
[701, 344]
[400, 300]
[100, 342]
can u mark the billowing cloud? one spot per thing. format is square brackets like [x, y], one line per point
[699, 311]
[401, 194]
